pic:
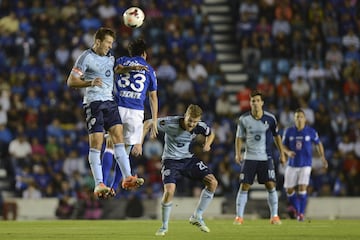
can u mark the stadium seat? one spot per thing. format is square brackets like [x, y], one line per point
[283, 66]
[266, 66]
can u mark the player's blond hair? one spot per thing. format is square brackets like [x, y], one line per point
[194, 111]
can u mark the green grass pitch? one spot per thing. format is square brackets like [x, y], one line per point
[178, 230]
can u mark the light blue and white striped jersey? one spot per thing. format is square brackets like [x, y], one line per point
[301, 143]
[258, 135]
[89, 66]
[131, 87]
[177, 139]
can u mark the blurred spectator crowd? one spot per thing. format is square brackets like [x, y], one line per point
[301, 53]
[305, 53]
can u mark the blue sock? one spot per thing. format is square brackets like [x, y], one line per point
[302, 202]
[293, 200]
[205, 198]
[165, 213]
[241, 200]
[273, 202]
[117, 177]
[107, 162]
[95, 165]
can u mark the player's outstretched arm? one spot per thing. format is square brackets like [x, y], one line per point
[281, 149]
[146, 128]
[208, 141]
[320, 150]
[154, 112]
[238, 146]
[77, 82]
[288, 152]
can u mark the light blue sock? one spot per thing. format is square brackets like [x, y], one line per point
[302, 202]
[95, 165]
[128, 149]
[205, 198]
[273, 202]
[122, 159]
[241, 200]
[107, 162]
[165, 213]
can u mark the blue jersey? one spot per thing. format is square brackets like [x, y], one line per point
[177, 139]
[258, 135]
[301, 143]
[131, 87]
[89, 66]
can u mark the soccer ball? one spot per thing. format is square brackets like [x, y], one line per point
[133, 17]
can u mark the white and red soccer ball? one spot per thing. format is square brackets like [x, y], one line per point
[133, 17]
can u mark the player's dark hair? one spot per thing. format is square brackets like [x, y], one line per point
[256, 93]
[137, 47]
[299, 110]
[102, 32]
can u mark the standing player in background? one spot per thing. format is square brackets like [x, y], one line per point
[94, 71]
[177, 161]
[131, 90]
[298, 142]
[257, 130]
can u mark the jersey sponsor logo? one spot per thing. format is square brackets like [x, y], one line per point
[129, 94]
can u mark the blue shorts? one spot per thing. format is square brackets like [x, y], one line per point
[101, 115]
[192, 168]
[264, 170]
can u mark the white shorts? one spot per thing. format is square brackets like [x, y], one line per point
[132, 120]
[296, 176]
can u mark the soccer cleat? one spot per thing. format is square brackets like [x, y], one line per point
[132, 182]
[275, 220]
[101, 190]
[111, 193]
[199, 222]
[292, 212]
[238, 221]
[161, 232]
[301, 217]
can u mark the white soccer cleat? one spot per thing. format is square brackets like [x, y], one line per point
[101, 190]
[161, 232]
[199, 222]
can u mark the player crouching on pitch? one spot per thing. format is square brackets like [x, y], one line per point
[178, 162]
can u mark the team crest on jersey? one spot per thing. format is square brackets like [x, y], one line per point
[266, 125]
[241, 176]
[108, 73]
[166, 172]
[162, 122]
[307, 138]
